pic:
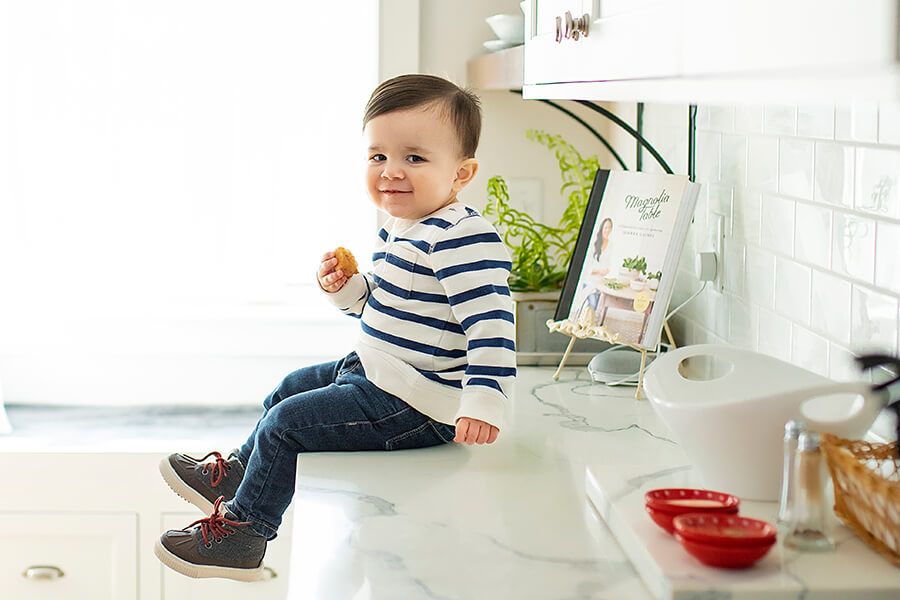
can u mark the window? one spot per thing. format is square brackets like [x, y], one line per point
[169, 153]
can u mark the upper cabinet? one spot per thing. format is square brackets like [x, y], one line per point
[712, 50]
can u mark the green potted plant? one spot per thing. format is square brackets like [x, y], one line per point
[541, 252]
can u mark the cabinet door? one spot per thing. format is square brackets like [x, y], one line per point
[637, 43]
[71, 556]
[277, 566]
[777, 37]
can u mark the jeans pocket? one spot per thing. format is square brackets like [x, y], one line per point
[423, 436]
[351, 364]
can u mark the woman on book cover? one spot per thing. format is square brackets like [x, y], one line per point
[602, 262]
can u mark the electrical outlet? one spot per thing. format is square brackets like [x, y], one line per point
[719, 246]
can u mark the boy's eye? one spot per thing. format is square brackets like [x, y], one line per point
[378, 157]
[415, 158]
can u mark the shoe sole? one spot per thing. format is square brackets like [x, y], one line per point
[180, 487]
[202, 571]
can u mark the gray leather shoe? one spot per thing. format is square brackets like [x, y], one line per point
[215, 546]
[201, 481]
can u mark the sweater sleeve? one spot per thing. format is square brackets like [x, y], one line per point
[472, 264]
[351, 299]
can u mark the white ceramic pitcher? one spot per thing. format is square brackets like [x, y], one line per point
[727, 408]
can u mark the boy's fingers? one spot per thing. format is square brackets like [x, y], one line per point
[494, 433]
[462, 429]
[484, 430]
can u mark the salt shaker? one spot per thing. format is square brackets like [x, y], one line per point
[792, 430]
[809, 529]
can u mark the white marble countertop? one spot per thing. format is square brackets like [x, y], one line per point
[505, 521]
[513, 520]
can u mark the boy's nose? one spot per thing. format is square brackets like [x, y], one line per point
[391, 171]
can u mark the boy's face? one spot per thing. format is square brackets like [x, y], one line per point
[415, 165]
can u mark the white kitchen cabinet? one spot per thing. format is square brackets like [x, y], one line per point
[272, 587]
[639, 43]
[68, 556]
[714, 51]
[101, 535]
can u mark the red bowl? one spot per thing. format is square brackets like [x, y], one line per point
[724, 530]
[663, 519]
[686, 500]
[729, 557]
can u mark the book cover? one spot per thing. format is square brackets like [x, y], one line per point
[623, 267]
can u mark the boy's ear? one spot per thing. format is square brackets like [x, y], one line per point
[465, 173]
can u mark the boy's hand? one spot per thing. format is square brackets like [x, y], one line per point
[330, 280]
[473, 431]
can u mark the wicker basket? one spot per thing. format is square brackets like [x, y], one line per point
[867, 491]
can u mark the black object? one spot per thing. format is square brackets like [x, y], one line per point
[868, 362]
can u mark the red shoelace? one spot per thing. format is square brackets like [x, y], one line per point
[214, 524]
[217, 470]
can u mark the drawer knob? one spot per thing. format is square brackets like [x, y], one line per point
[43, 573]
[577, 27]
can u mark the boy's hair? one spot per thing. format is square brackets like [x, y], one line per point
[461, 106]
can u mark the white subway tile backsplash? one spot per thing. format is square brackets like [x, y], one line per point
[748, 118]
[864, 122]
[792, 289]
[777, 229]
[744, 327]
[759, 277]
[816, 121]
[840, 363]
[774, 335]
[853, 246]
[809, 351]
[812, 234]
[746, 215]
[834, 166]
[811, 266]
[795, 168]
[708, 156]
[721, 118]
[887, 257]
[873, 321]
[889, 123]
[857, 122]
[733, 170]
[780, 119]
[830, 306]
[877, 173]
[762, 162]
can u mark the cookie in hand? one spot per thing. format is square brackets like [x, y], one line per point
[346, 262]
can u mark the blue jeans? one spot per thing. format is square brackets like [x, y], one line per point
[324, 408]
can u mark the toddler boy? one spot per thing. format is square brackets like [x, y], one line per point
[435, 359]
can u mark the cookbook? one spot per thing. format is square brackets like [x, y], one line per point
[622, 273]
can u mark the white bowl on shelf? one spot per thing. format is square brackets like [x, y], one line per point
[494, 45]
[509, 28]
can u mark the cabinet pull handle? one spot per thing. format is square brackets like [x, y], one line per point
[577, 27]
[43, 573]
[559, 29]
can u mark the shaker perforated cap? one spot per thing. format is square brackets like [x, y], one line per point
[793, 428]
[809, 440]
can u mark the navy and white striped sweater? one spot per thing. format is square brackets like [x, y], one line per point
[437, 316]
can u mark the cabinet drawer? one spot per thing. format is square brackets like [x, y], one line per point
[68, 556]
[274, 587]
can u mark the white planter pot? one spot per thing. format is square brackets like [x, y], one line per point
[535, 345]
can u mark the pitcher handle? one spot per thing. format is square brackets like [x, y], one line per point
[873, 401]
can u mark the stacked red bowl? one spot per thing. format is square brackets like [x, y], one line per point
[723, 540]
[663, 505]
